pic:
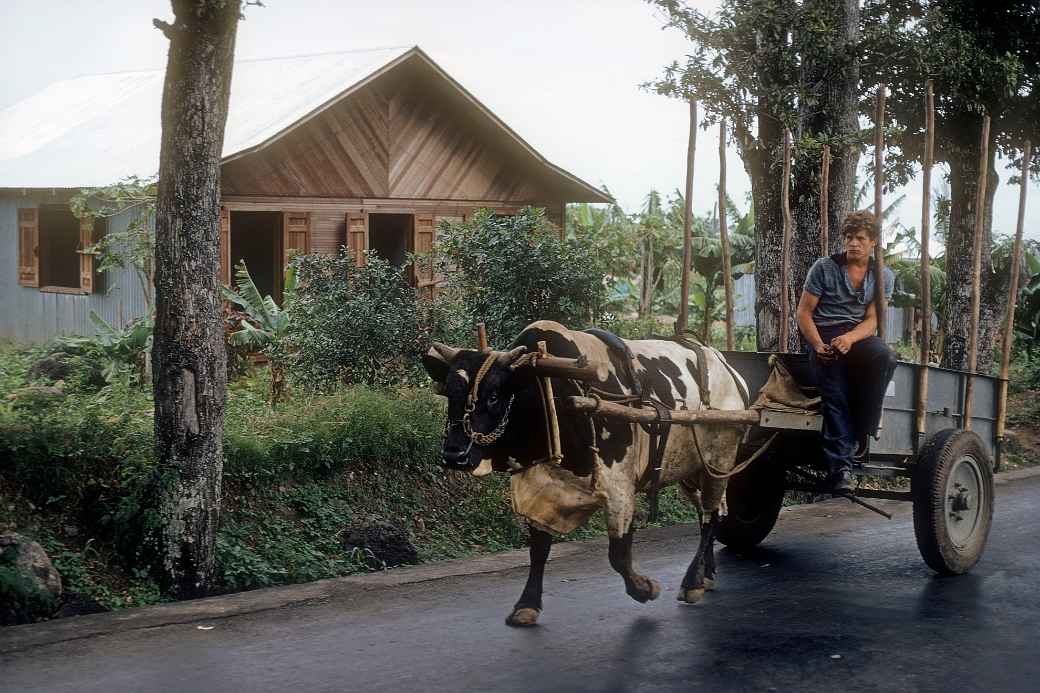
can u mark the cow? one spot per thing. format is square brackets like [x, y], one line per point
[502, 428]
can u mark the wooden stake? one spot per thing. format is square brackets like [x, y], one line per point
[976, 271]
[482, 340]
[684, 304]
[555, 449]
[926, 273]
[825, 202]
[880, 300]
[727, 267]
[1009, 321]
[785, 257]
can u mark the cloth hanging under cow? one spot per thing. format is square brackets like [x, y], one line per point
[553, 499]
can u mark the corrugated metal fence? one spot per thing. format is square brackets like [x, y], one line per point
[30, 315]
[744, 310]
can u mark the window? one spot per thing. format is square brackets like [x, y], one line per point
[51, 243]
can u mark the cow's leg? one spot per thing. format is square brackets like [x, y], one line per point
[529, 606]
[711, 574]
[694, 584]
[639, 587]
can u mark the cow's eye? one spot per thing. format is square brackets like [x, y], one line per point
[492, 399]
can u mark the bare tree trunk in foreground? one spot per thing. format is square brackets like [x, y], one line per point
[189, 363]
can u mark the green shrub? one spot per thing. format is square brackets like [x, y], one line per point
[1024, 369]
[353, 324]
[508, 271]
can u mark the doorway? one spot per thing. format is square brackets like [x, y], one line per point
[390, 235]
[256, 239]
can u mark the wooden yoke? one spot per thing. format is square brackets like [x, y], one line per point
[976, 268]
[596, 405]
[555, 449]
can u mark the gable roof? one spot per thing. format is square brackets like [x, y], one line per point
[94, 130]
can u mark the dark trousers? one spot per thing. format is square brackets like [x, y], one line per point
[852, 387]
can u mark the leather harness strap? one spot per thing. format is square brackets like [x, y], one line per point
[658, 431]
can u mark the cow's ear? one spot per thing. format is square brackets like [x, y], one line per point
[435, 366]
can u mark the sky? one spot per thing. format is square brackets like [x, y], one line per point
[564, 74]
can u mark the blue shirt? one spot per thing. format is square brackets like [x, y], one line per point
[840, 303]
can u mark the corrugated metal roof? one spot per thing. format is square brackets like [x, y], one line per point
[94, 130]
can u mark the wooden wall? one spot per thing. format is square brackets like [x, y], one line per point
[328, 217]
[403, 136]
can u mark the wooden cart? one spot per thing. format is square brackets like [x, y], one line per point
[949, 468]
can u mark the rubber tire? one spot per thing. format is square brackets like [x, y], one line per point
[928, 485]
[753, 498]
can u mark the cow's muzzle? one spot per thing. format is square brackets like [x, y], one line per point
[457, 459]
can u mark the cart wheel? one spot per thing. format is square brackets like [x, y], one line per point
[753, 498]
[953, 501]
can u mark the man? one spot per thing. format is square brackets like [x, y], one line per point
[837, 316]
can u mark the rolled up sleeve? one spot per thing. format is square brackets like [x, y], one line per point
[815, 281]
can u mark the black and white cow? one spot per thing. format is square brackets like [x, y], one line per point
[605, 461]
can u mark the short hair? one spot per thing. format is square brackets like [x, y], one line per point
[862, 220]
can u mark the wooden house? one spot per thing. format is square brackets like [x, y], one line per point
[363, 149]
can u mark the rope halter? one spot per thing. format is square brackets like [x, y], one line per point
[494, 435]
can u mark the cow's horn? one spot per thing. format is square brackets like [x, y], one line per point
[506, 358]
[445, 352]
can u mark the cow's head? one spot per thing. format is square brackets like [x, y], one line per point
[478, 412]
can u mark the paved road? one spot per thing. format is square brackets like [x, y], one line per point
[836, 599]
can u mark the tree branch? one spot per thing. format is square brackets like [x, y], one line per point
[165, 27]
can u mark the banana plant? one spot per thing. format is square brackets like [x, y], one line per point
[266, 325]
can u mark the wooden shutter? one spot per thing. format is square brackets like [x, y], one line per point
[425, 231]
[296, 229]
[225, 246]
[357, 236]
[28, 247]
[86, 260]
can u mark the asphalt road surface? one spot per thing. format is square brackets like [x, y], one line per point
[836, 599]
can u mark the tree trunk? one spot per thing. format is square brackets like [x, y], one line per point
[764, 168]
[956, 318]
[828, 112]
[189, 362]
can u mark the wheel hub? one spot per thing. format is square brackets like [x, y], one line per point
[963, 508]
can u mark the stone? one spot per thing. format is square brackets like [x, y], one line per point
[50, 368]
[384, 544]
[30, 586]
[35, 396]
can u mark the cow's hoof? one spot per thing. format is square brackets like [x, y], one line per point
[691, 595]
[643, 589]
[710, 583]
[521, 618]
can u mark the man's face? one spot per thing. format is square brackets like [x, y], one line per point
[858, 245]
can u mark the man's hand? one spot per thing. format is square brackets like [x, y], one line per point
[825, 353]
[842, 343]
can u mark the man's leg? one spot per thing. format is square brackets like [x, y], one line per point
[871, 365]
[839, 441]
